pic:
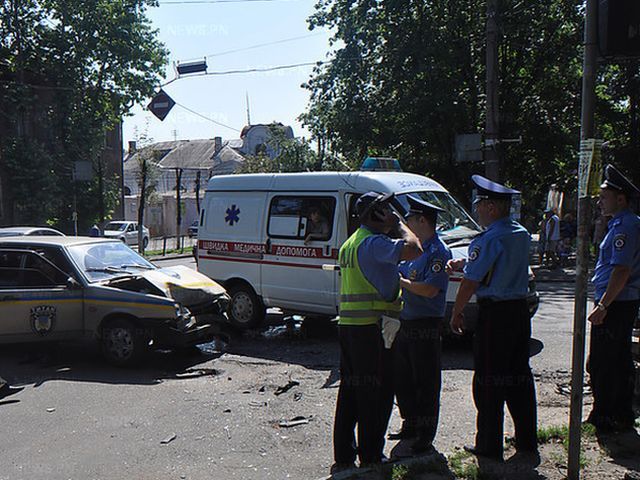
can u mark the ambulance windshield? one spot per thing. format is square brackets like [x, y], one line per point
[454, 223]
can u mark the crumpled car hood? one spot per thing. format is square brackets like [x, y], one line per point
[184, 285]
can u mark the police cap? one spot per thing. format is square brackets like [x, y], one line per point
[370, 200]
[418, 206]
[489, 190]
[615, 180]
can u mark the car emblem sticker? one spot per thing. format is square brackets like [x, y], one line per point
[475, 253]
[43, 319]
[233, 215]
[619, 241]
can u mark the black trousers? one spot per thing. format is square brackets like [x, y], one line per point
[417, 358]
[365, 396]
[610, 365]
[502, 374]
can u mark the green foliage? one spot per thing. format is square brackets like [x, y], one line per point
[463, 465]
[291, 155]
[75, 68]
[406, 76]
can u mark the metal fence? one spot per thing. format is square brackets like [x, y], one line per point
[164, 245]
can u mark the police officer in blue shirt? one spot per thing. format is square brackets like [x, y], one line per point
[417, 349]
[617, 297]
[369, 290]
[496, 271]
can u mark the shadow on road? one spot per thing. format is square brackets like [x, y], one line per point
[37, 364]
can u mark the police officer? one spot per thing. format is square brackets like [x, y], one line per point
[417, 349]
[369, 290]
[496, 270]
[617, 296]
[6, 389]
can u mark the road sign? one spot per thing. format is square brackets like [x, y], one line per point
[82, 171]
[161, 105]
[468, 148]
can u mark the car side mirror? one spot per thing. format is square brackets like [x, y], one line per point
[72, 284]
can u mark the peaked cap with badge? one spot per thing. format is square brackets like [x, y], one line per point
[490, 190]
[614, 180]
[418, 206]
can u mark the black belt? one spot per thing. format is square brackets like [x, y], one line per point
[487, 302]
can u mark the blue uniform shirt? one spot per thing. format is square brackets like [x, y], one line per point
[499, 260]
[620, 246]
[378, 256]
[427, 268]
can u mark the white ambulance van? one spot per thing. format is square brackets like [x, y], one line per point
[266, 237]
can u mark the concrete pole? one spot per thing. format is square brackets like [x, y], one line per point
[492, 126]
[582, 260]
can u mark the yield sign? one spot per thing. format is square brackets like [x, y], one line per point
[161, 105]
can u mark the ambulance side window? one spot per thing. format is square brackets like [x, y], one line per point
[353, 222]
[301, 218]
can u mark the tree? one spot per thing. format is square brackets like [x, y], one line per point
[91, 60]
[147, 173]
[406, 76]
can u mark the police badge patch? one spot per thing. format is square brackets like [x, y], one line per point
[475, 253]
[43, 319]
[436, 266]
[619, 240]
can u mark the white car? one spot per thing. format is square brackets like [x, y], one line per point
[29, 231]
[83, 288]
[126, 232]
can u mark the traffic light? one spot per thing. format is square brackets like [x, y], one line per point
[619, 28]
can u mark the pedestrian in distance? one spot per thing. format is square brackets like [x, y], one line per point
[496, 271]
[617, 296]
[417, 349]
[552, 238]
[369, 300]
[7, 390]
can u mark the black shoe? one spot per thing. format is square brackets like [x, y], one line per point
[422, 447]
[483, 453]
[526, 457]
[7, 390]
[340, 467]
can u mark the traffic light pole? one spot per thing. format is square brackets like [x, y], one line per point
[582, 261]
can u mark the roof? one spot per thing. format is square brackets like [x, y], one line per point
[398, 182]
[193, 155]
[49, 240]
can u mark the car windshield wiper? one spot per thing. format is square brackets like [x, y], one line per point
[106, 269]
[136, 265]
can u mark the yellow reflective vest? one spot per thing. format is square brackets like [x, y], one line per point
[360, 302]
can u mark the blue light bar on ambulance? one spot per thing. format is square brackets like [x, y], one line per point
[380, 164]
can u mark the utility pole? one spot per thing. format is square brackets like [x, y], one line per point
[587, 131]
[492, 126]
[178, 205]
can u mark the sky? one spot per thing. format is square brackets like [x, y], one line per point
[193, 31]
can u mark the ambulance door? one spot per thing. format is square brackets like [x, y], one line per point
[301, 238]
[36, 303]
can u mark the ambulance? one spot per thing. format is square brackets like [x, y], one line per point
[273, 239]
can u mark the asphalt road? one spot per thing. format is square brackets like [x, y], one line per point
[223, 415]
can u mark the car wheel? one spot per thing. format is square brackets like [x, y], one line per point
[145, 242]
[246, 310]
[122, 343]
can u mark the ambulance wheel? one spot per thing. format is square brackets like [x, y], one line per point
[122, 343]
[246, 310]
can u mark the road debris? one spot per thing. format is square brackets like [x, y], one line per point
[226, 430]
[169, 439]
[294, 422]
[51, 410]
[197, 372]
[286, 388]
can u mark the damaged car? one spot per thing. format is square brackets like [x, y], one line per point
[80, 288]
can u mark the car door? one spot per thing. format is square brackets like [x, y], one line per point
[297, 247]
[37, 303]
[132, 234]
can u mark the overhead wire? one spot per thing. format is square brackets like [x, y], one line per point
[207, 118]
